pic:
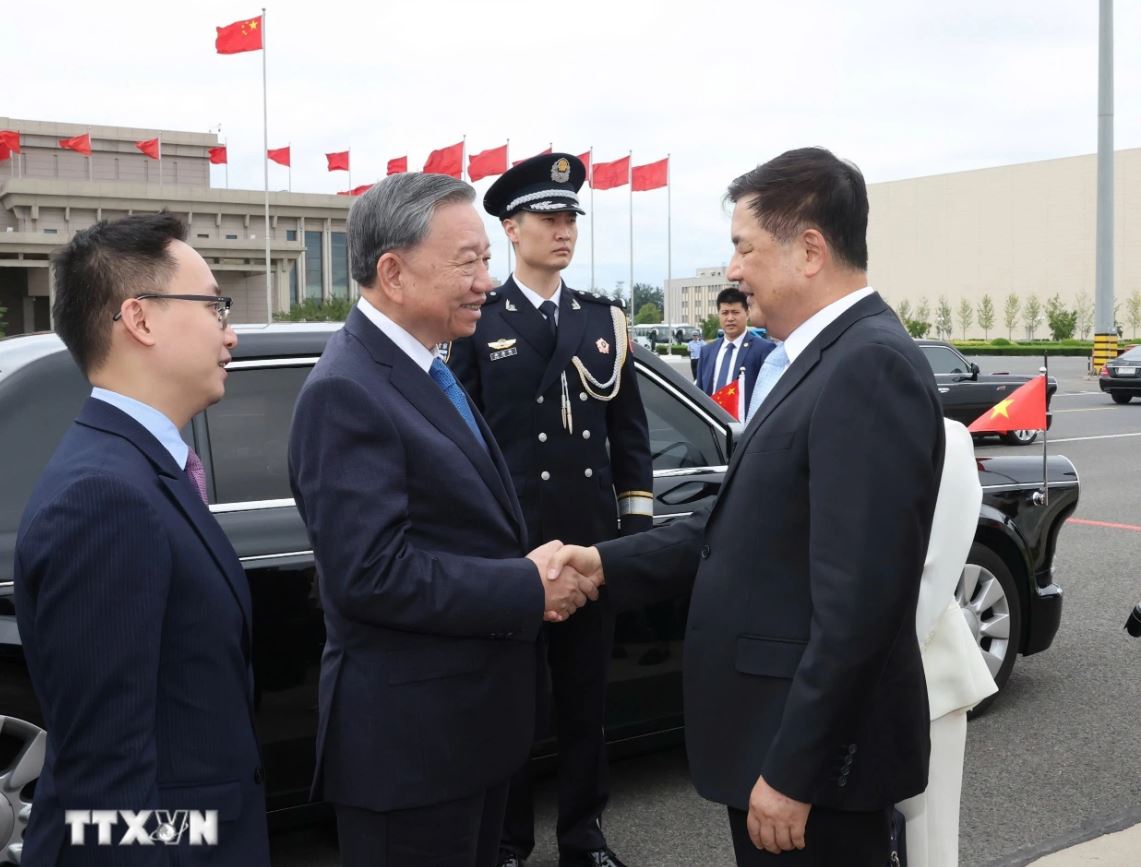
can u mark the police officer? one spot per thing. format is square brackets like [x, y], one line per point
[551, 370]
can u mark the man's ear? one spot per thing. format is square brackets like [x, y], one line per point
[135, 321]
[815, 251]
[391, 276]
[511, 228]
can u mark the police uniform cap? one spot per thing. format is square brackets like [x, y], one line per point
[543, 184]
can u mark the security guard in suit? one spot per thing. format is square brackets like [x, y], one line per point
[551, 370]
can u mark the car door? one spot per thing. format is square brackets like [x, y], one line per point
[963, 396]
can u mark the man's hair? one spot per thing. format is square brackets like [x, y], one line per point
[100, 268]
[732, 296]
[396, 215]
[810, 188]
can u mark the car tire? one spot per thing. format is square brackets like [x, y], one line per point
[1020, 437]
[992, 607]
[1118, 397]
[19, 771]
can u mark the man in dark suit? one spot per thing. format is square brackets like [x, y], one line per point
[133, 609]
[552, 371]
[737, 349]
[427, 687]
[805, 703]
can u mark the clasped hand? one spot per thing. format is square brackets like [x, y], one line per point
[571, 576]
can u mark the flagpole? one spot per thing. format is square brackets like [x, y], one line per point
[350, 169]
[630, 181]
[592, 283]
[265, 167]
[90, 157]
[160, 160]
[1045, 424]
[463, 159]
[669, 240]
[227, 166]
[289, 168]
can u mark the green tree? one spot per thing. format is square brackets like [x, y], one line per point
[648, 314]
[1032, 315]
[917, 327]
[644, 294]
[923, 312]
[1062, 322]
[709, 326]
[943, 318]
[1010, 314]
[985, 313]
[1133, 311]
[1083, 307]
[903, 311]
[966, 317]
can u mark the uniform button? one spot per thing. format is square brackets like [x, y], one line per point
[259, 775]
[542, 437]
[539, 399]
[544, 475]
[851, 749]
[843, 781]
[589, 472]
[582, 395]
[586, 434]
[704, 552]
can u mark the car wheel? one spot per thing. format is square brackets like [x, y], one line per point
[1019, 437]
[1118, 397]
[24, 743]
[992, 608]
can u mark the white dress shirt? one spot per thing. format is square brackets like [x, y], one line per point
[537, 299]
[421, 355]
[733, 346]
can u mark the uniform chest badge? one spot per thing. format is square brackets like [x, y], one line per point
[502, 348]
[602, 345]
[504, 343]
[575, 305]
[509, 306]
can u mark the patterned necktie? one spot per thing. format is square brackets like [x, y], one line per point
[547, 308]
[725, 369]
[775, 363]
[196, 473]
[443, 377]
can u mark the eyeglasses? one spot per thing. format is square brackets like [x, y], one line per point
[220, 303]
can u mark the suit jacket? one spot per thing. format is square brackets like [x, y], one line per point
[427, 687]
[801, 660]
[566, 479]
[750, 356]
[134, 614]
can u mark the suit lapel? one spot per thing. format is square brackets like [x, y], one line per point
[521, 315]
[572, 325]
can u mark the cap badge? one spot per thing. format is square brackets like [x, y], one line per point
[560, 171]
[504, 343]
[602, 345]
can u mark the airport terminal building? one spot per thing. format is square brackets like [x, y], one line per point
[47, 193]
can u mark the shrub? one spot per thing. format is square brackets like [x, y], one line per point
[1000, 341]
[313, 310]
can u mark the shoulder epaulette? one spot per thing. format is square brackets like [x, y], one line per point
[493, 297]
[599, 299]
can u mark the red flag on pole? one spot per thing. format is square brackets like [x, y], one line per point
[239, 36]
[397, 166]
[338, 162]
[586, 162]
[356, 191]
[1022, 409]
[609, 175]
[5, 152]
[218, 155]
[279, 155]
[446, 161]
[79, 144]
[150, 147]
[10, 139]
[729, 398]
[539, 154]
[487, 163]
[651, 176]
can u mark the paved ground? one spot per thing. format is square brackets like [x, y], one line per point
[1053, 762]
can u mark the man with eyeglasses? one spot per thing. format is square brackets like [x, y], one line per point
[132, 606]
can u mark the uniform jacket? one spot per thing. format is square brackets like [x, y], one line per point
[427, 689]
[750, 356]
[801, 659]
[566, 479]
[134, 614]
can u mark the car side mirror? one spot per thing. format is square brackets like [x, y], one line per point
[974, 371]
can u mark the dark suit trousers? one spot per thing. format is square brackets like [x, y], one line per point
[462, 833]
[833, 838]
[578, 652]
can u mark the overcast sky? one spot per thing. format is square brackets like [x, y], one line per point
[903, 89]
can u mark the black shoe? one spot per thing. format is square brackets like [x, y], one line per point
[507, 858]
[603, 857]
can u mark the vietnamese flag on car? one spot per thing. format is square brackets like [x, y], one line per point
[487, 163]
[729, 398]
[446, 161]
[1023, 409]
[398, 165]
[218, 155]
[79, 144]
[150, 147]
[279, 155]
[239, 36]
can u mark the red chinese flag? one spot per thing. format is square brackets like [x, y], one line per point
[651, 176]
[359, 191]
[446, 161]
[539, 154]
[487, 163]
[609, 175]
[79, 144]
[5, 152]
[10, 139]
[239, 36]
[586, 162]
[1023, 409]
[729, 399]
[150, 147]
[338, 162]
[279, 155]
[398, 166]
[218, 155]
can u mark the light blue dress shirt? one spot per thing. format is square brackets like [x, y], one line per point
[159, 426]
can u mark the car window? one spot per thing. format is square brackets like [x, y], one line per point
[679, 437]
[1133, 354]
[944, 360]
[249, 433]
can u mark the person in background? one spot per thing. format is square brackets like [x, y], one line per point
[737, 349]
[695, 345]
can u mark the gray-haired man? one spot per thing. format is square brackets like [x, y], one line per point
[431, 609]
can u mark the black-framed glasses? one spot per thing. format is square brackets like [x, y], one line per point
[221, 303]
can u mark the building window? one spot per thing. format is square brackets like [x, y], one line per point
[291, 234]
[339, 254]
[51, 231]
[230, 237]
[203, 234]
[313, 288]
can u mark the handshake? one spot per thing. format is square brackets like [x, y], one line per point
[571, 575]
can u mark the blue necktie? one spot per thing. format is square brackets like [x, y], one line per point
[443, 377]
[775, 363]
[725, 369]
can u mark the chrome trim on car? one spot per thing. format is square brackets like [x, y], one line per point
[688, 471]
[272, 362]
[1025, 486]
[251, 505]
[681, 397]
